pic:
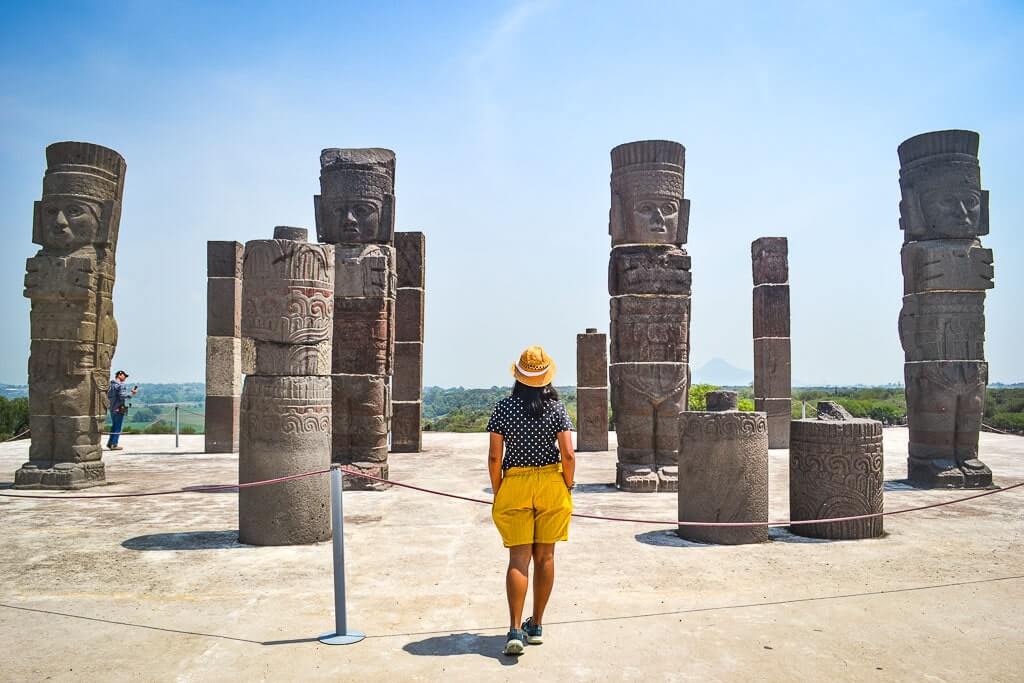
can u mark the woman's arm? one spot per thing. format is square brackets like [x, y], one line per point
[494, 454]
[568, 458]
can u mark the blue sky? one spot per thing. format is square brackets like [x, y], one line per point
[502, 116]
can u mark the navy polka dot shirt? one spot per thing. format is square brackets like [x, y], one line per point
[529, 442]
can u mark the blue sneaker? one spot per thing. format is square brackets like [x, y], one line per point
[516, 643]
[534, 633]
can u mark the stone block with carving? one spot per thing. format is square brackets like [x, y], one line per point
[943, 326]
[409, 315]
[592, 419]
[772, 373]
[364, 336]
[365, 270]
[406, 426]
[779, 411]
[224, 259]
[591, 359]
[650, 329]
[770, 260]
[946, 265]
[649, 269]
[362, 417]
[771, 311]
[223, 366]
[411, 248]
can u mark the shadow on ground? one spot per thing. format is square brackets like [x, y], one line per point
[461, 644]
[669, 538]
[186, 540]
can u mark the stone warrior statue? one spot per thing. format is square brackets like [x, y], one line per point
[946, 272]
[70, 282]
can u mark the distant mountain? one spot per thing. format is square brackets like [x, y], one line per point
[720, 372]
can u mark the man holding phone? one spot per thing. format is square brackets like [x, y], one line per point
[119, 393]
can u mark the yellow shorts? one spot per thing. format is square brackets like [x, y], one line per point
[533, 505]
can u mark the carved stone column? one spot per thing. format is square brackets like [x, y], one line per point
[287, 304]
[407, 387]
[649, 284]
[946, 272]
[772, 390]
[591, 391]
[355, 212]
[723, 471]
[836, 470]
[223, 345]
[70, 282]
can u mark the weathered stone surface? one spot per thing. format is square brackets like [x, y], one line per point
[224, 259]
[591, 419]
[362, 417]
[365, 270]
[723, 475]
[940, 183]
[295, 360]
[830, 410]
[719, 401]
[374, 469]
[945, 405]
[943, 326]
[647, 194]
[407, 383]
[779, 411]
[649, 269]
[287, 232]
[591, 359]
[222, 428]
[409, 315]
[286, 429]
[223, 366]
[770, 260]
[650, 329]
[946, 265]
[772, 375]
[364, 336]
[835, 470]
[223, 307]
[412, 250]
[70, 282]
[771, 311]
[406, 426]
[357, 199]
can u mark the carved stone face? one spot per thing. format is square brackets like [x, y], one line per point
[70, 222]
[952, 211]
[351, 219]
[656, 214]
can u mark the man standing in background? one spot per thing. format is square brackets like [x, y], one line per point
[119, 393]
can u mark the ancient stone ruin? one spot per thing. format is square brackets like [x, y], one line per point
[407, 385]
[943, 212]
[70, 282]
[649, 284]
[287, 305]
[835, 470]
[772, 390]
[591, 391]
[355, 211]
[223, 345]
[723, 471]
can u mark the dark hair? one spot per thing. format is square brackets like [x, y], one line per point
[534, 397]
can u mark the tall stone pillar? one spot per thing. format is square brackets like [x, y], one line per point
[355, 211]
[723, 471]
[946, 271]
[70, 282]
[407, 387]
[287, 305]
[772, 381]
[591, 391]
[223, 345]
[649, 284]
[836, 470]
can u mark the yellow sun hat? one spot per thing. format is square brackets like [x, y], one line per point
[534, 368]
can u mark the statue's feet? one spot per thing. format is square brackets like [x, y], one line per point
[62, 475]
[636, 478]
[976, 474]
[668, 478]
[935, 473]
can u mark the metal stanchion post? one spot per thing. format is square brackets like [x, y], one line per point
[803, 410]
[177, 425]
[342, 635]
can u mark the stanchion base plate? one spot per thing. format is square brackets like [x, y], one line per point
[343, 639]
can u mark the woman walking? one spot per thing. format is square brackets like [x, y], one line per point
[532, 464]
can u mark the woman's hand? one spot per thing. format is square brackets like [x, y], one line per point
[494, 453]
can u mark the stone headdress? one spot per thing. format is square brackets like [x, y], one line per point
[649, 168]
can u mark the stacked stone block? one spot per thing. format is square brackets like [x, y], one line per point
[836, 470]
[70, 282]
[946, 272]
[223, 345]
[591, 391]
[355, 212]
[723, 471]
[649, 283]
[772, 380]
[287, 312]
[407, 386]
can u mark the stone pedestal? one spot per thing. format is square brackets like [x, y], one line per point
[70, 283]
[836, 470]
[772, 382]
[287, 295]
[946, 272]
[407, 382]
[591, 391]
[223, 345]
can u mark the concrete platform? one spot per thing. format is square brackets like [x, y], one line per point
[158, 589]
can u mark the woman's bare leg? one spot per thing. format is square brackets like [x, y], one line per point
[517, 581]
[543, 578]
